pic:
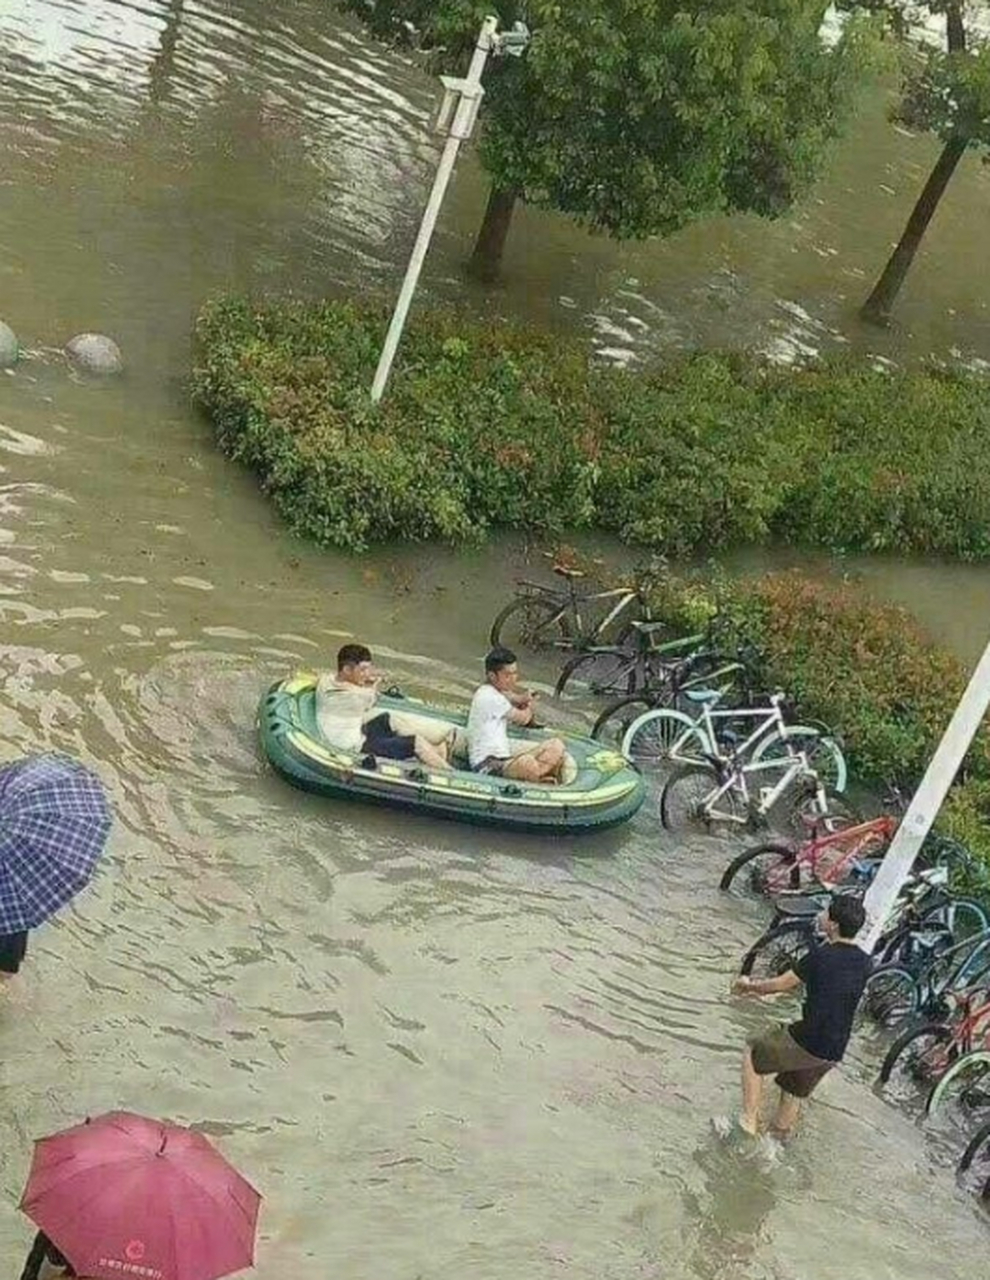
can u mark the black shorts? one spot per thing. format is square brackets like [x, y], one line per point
[379, 740]
[798, 1072]
[494, 766]
[13, 948]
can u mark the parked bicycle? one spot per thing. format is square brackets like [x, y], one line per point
[922, 1054]
[974, 1164]
[716, 738]
[643, 661]
[964, 1088]
[734, 678]
[917, 934]
[544, 616]
[829, 858]
[941, 948]
[725, 795]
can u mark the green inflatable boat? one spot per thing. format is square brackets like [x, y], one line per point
[601, 788]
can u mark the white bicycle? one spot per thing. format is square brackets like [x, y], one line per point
[727, 793]
[716, 736]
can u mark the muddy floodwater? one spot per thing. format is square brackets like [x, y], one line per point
[438, 1052]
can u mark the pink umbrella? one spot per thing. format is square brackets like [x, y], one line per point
[128, 1198]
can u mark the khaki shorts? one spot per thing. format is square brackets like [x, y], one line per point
[778, 1054]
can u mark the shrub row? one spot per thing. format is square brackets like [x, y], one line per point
[491, 425]
[865, 668]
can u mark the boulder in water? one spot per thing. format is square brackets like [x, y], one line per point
[9, 348]
[95, 353]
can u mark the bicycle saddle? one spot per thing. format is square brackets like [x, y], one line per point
[648, 628]
[800, 907]
[568, 571]
[705, 696]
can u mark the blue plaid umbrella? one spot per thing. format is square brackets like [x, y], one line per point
[54, 822]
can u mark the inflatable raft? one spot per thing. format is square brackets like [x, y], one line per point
[600, 789]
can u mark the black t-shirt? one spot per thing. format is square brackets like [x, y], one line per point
[834, 976]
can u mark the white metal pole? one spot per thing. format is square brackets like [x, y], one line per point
[927, 801]
[460, 128]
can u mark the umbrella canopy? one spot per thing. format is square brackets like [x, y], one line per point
[54, 822]
[135, 1199]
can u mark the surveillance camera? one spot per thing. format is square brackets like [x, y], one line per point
[514, 42]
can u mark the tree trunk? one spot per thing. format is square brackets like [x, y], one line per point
[877, 306]
[955, 29]
[489, 248]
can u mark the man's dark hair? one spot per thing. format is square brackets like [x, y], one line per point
[848, 913]
[350, 655]
[498, 658]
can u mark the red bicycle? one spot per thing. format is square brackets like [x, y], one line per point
[822, 862]
[920, 1058]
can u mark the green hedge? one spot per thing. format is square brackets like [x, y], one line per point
[491, 425]
[865, 668]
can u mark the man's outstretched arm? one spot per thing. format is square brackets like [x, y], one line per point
[766, 986]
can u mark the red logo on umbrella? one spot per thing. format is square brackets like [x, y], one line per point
[134, 1251]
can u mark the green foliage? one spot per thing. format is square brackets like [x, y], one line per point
[950, 96]
[637, 116]
[498, 426]
[468, 437]
[863, 667]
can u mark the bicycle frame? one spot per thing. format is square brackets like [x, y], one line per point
[789, 768]
[971, 1029]
[812, 853]
[769, 718]
[570, 600]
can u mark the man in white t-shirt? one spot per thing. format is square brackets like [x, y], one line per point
[497, 704]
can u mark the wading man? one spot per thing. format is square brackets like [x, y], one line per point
[834, 975]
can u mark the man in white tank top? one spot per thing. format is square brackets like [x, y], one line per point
[344, 711]
[497, 704]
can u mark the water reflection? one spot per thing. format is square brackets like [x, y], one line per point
[731, 1208]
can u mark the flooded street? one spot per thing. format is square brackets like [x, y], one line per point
[437, 1051]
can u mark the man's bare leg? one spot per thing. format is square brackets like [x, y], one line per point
[434, 756]
[752, 1091]
[788, 1113]
[542, 763]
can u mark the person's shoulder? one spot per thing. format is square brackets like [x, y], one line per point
[845, 953]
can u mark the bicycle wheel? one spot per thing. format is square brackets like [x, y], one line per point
[918, 1058]
[779, 950]
[531, 622]
[823, 752]
[684, 802]
[613, 723]
[597, 671]
[890, 996]
[807, 818]
[806, 808]
[963, 917]
[662, 736]
[974, 1164]
[964, 1088]
[765, 870]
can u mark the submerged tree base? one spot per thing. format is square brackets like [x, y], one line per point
[491, 425]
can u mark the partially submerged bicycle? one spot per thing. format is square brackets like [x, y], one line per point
[827, 859]
[724, 780]
[544, 616]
